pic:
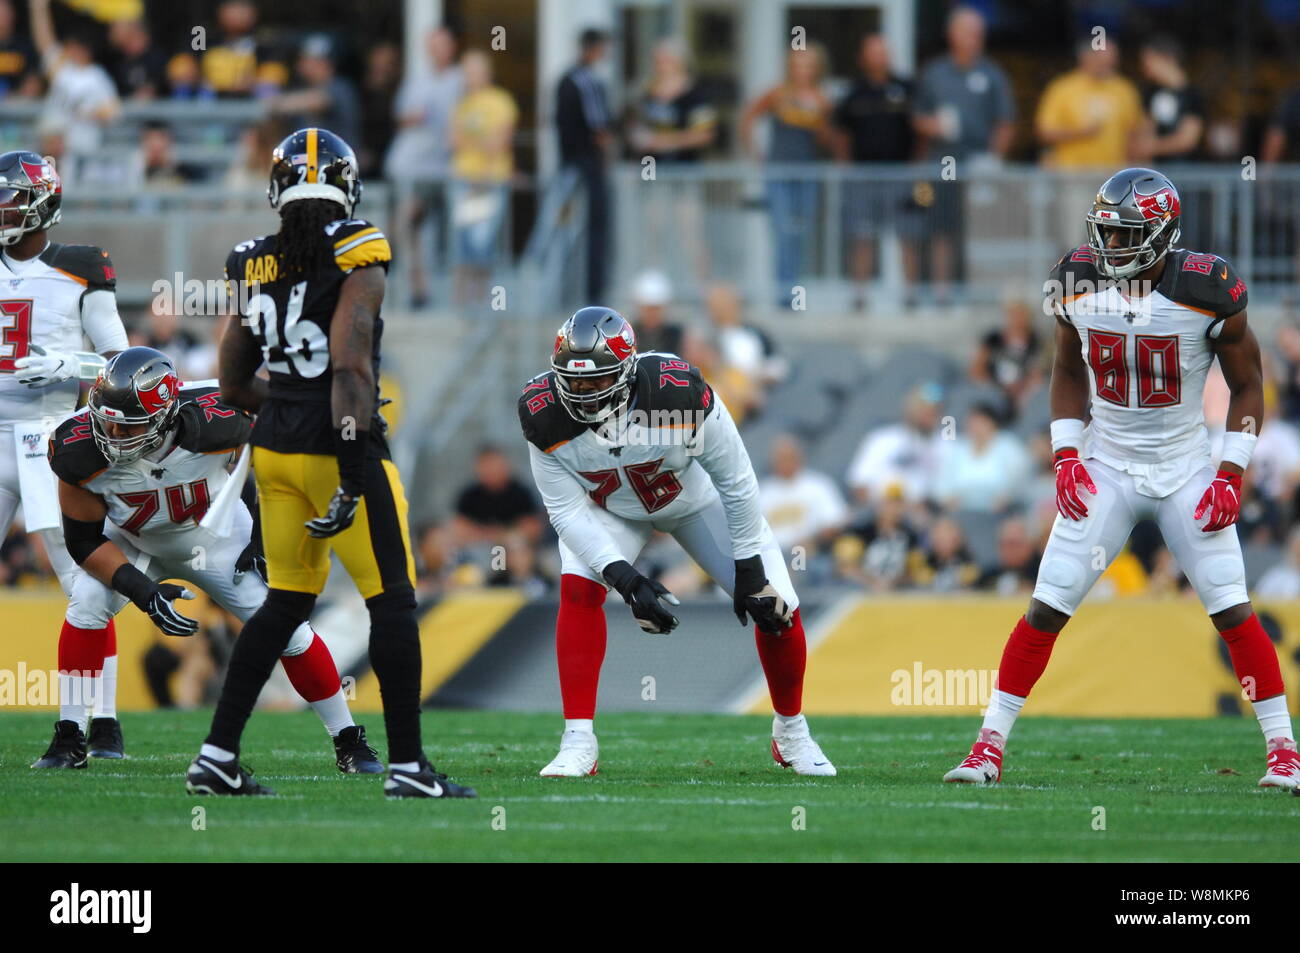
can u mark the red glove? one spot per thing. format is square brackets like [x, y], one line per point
[1070, 472]
[1222, 500]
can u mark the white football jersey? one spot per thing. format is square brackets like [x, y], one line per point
[159, 499]
[41, 303]
[1148, 358]
[671, 454]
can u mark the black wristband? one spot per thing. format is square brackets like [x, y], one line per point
[351, 456]
[620, 575]
[133, 584]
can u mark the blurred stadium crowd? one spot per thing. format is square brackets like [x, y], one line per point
[931, 476]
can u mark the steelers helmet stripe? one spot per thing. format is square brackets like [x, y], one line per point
[312, 169]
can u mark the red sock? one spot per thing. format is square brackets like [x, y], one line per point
[1254, 659]
[580, 643]
[313, 673]
[784, 659]
[1024, 659]
[83, 650]
[110, 640]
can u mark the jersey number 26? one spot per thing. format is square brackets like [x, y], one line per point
[292, 344]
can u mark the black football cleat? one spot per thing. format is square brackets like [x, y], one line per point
[353, 755]
[209, 776]
[105, 739]
[424, 783]
[66, 750]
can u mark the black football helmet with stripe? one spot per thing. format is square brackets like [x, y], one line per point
[314, 163]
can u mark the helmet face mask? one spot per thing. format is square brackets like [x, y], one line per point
[133, 404]
[31, 195]
[314, 164]
[593, 361]
[1140, 210]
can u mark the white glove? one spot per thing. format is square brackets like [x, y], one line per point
[41, 368]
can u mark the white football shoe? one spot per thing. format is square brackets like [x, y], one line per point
[793, 747]
[577, 758]
[1283, 765]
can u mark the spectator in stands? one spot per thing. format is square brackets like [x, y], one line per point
[1091, 118]
[1286, 362]
[20, 68]
[673, 123]
[743, 347]
[943, 563]
[82, 99]
[482, 137]
[877, 552]
[1011, 357]
[1016, 571]
[984, 468]
[185, 80]
[1175, 108]
[322, 97]
[235, 66]
[873, 124]
[496, 504]
[799, 132]
[1282, 139]
[733, 386]
[421, 154]
[583, 125]
[247, 172]
[903, 456]
[156, 164]
[652, 296]
[804, 508]
[1282, 579]
[963, 112]
[140, 67]
[378, 94]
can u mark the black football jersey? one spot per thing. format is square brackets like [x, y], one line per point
[290, 320]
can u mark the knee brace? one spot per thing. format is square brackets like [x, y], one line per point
[300, 641]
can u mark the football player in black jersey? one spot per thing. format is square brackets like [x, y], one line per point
[324, 474]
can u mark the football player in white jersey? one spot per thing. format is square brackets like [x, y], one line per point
[151, 455]
[53, 298]
[1138, 324]
[623, 445]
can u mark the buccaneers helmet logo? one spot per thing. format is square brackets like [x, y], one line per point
[1160, 204]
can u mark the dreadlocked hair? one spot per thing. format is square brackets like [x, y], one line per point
[302, 245]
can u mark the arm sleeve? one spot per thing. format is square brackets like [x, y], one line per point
[571, 512]
[100, 321]
[722, 454]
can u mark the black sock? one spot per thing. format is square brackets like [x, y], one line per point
[258, 648]
[395, 657]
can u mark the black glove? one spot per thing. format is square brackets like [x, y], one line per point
[155, 600]
[643, 596]
[754, 595]
[337, 518]
[252, 560]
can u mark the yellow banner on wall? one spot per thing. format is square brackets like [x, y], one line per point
[1122, 658]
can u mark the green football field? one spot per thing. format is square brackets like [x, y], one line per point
[671, 787]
